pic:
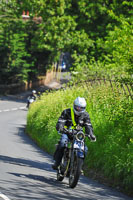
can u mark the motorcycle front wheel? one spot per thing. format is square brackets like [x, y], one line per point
[75, 171]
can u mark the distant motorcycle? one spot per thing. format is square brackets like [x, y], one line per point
[30, 100]
[73, 159]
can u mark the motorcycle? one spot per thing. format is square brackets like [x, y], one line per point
[30, 100]
[73, 159]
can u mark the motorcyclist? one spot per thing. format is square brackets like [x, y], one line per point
[66, 124]
[32, 96]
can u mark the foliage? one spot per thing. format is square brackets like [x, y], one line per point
[95, 34]
[118, 45]
[111, 118]
[116, 58]
[21, 59]
[13, 54]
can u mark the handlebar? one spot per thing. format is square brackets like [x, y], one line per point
[75, 131]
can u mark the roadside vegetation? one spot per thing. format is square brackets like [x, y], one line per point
[111, 116]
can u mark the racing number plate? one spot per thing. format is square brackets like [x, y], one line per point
[79, 145]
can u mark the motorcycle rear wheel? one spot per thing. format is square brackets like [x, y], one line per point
[75, 172]
[61, 170]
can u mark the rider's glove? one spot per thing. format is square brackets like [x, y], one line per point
[92, 137]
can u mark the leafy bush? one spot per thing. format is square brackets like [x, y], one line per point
[111, 118]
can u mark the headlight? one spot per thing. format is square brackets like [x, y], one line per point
[80, 135]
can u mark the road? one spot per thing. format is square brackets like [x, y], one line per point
[25, 170]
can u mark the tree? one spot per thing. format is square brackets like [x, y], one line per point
[82, 28]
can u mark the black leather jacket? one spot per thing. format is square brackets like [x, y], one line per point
[83, 120]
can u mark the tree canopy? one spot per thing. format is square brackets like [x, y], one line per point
[96, 33]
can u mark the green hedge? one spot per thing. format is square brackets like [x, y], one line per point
[111, 117]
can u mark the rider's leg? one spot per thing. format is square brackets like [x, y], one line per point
[60, 151]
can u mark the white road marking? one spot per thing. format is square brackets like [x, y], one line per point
[22, 107]
[13, 109]
[4, 197]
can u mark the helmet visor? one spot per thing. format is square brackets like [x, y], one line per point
[79, 108]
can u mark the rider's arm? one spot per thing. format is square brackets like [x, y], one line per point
[88, 127]
[61, 122]
[29, 97]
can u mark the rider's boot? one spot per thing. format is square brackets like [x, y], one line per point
[55, 165]
[58, 157]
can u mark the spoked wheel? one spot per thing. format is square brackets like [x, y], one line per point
[75, 171]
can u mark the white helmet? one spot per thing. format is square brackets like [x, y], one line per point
[79, 105]
[33, 91]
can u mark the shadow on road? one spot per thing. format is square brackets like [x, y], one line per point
[47, 180]
[85, 189]
[13, 98]
[26, 139]
[25, 162]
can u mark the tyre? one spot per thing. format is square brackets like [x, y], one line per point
[63, 167]
[75, 171]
